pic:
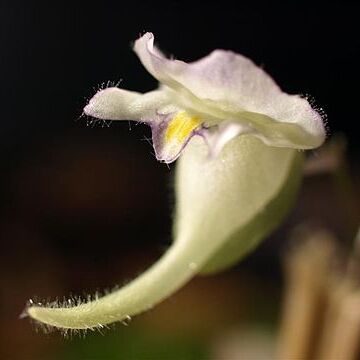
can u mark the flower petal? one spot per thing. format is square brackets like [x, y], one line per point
[232, 86]
[172, 133]
[119, 104]
[216, 198]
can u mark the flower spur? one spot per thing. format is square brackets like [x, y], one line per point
[238, 136]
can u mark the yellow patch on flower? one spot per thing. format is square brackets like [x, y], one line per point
[181, 126]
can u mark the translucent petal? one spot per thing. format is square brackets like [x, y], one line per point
[234, 88]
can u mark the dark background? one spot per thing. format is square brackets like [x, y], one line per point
[85, 207]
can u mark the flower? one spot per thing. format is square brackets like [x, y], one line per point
[239, 137]
[217, 97]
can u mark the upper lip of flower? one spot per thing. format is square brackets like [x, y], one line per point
[223, 87]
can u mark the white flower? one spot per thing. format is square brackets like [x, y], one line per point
[236, 179]
[217, 97]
